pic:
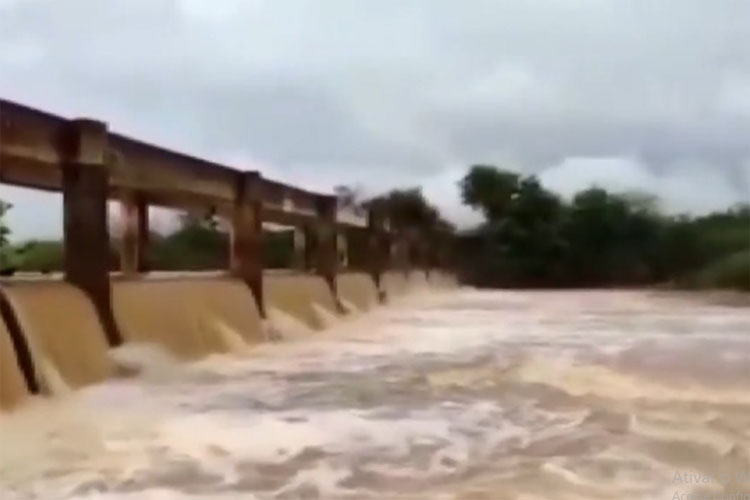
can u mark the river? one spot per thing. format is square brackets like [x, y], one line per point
[445, 395]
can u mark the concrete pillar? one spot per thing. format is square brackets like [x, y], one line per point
[342, 250]
[85, 185]
[299, 257]
[245, 259]
[428, 245]
[378, 250]
[399, 252]
[420, 243]
[414, 249]
[326, 258]
[134, 248]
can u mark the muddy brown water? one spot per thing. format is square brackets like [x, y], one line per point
[441, 395]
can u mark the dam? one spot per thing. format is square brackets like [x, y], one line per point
[57, 332]
[365, 372]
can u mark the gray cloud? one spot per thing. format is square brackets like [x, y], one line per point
[391, 92]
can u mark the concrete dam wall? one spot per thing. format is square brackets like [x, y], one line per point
[51, 339]
[190, 317]
[306, 297]
[62, 332]
[13, 388]
[357, 289]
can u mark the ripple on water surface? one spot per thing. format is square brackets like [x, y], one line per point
[465, 395]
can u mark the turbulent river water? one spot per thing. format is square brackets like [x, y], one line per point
[451, 395]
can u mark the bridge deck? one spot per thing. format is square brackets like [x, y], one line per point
[32, 150]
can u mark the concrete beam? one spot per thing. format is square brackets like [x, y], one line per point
[299, 256]
[342, 250]
[30, 153]
[134, 243]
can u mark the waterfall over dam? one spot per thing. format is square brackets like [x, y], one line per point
[13, 389]
[62, 332]
[183, 315]
[188, 316]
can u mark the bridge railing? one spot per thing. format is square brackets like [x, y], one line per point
[89, 165]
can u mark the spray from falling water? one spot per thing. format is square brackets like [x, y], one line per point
[349, 307]
[149, 361]
[326, 318]
[286, 326]
[233, 341]
[51, 380]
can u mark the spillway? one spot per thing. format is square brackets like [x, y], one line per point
[439, 279]
[189, 316]
[394, 284]
[297, 294]
[63, 333]
[13, 389]
[416, 279]
[358, 289]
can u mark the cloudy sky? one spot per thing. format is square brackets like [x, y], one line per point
[627, 94]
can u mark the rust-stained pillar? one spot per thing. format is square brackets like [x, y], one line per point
[378, 247]
[299, 252]
[326, 258]
[420, 244]
[85, 184]
[247, 223]
[342, 250]
[428, 243]
[134, 246]
[399, 252]
[416, 249]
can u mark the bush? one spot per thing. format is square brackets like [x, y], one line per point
[731, 271]
[40, 256]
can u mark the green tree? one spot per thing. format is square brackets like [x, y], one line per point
[489, 189]
[5, 247]
[525, 237]
[41, 256]
[408, 208]
[611, 239]
[532, 238]
[198, 244]
[278, 249]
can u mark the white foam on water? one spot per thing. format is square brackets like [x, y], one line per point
[161, 494]
[51, 379]
[321, 481]
[151, 361]
[286, 325]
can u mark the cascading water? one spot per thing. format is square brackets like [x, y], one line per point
[459, 395]
[13, 390]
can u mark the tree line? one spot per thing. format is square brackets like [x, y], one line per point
[530, 237]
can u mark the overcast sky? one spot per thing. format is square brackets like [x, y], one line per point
[630, 94]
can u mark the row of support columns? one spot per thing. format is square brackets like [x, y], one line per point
[134, 215]
[85, 186]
